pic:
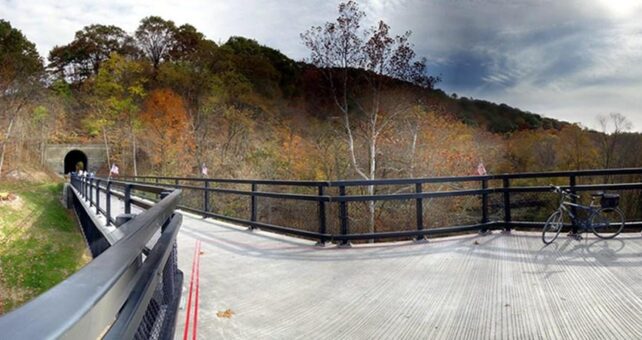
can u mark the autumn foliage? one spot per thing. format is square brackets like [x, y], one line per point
[165, 134]
[165, 100]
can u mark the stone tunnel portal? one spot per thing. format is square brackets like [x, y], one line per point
[75, 160]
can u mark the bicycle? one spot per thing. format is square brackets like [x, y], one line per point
[605, 220]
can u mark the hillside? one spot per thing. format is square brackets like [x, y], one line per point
[166, 100]
[40, 243]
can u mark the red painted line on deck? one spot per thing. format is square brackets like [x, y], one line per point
[189, 298]
[198, 271]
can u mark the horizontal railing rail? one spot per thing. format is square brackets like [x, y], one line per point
[111, 296]
[412, 189]
[401, 181]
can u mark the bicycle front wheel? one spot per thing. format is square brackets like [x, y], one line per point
[552, 227]
[607, 222]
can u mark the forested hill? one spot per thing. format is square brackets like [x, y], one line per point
[268, 69]
[246, 65]
[165, 99]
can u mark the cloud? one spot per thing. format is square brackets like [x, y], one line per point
[568, 59]
[271, 22]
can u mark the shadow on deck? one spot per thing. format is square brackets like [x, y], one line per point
[470, 286]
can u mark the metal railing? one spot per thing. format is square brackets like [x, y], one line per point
[129, 290]
[479, 186]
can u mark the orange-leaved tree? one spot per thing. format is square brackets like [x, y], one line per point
[166, 137]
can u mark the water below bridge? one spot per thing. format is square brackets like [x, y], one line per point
[259, 285]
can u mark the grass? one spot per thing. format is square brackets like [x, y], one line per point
[40, 243]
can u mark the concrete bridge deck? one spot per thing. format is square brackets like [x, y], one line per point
[496, 286]
[465, 287]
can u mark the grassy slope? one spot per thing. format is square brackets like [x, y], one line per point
[40, 243]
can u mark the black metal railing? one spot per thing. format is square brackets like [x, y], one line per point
[503, 188]
[129, 290]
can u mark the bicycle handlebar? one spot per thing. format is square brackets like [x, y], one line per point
[565, 192]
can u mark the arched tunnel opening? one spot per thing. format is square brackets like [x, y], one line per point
[75, 160]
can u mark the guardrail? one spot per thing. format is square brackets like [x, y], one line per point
[506, 188]
[128, 291]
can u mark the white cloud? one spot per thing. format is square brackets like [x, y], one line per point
[276, 23]
[568, 59]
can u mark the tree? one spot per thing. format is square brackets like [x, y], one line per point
[189, 43]
[167, 136]
[119, 91]
[613, 126]
[576, 149]
[20, 74]
[338, 48]
[91, 46]
[191, 75]
[156, 38]
[271, 73]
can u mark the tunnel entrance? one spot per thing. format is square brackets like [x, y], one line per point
[75, 160]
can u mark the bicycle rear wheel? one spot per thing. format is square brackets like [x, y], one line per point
[552, 227]
[607, 222]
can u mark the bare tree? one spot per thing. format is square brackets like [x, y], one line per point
[612, 127]
[340, 47]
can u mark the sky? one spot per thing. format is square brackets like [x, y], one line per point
[566, 59]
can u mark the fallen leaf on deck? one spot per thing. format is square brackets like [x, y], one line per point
[225, 314]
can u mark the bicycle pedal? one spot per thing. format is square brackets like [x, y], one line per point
[575, 236]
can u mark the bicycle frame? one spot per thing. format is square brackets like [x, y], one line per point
[581, 222]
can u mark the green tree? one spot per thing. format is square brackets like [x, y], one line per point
[119, 90]
[156, 37]
[21, 70]
[192, 75]
[91, 46]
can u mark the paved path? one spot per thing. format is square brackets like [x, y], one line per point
[466, 287]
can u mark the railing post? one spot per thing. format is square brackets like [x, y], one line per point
[419, 206]
[97, 196]
[572, 184]
[157, 195]
[91, 186]
[343, 216]
[128, 199]
[507, 217]
[484, 197]
[108, 202]
[176, 183]
[162, 195]
[253, 206]
[322, 222]
[206, 196]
